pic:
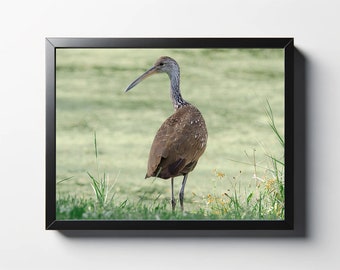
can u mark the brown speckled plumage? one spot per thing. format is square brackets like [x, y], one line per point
[181, 139]
[178, 144]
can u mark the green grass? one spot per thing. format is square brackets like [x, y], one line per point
[230, 87]
[262, 200]
[100, 185]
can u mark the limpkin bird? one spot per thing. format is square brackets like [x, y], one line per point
[181, 139]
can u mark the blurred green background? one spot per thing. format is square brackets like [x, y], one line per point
[229, 86]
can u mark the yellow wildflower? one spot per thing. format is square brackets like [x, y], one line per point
[270, 183]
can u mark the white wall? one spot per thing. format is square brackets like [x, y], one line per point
[24, 244]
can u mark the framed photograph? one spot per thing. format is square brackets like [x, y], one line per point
[169, 133]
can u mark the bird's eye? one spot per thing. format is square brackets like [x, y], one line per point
[161, 64]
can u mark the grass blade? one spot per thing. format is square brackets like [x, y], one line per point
[63, 180]
[271, 122]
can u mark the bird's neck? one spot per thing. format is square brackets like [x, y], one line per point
[175, 92]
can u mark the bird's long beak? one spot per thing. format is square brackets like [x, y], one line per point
[146, 74]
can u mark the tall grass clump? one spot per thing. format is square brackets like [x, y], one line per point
[276, 186]
[100, 184]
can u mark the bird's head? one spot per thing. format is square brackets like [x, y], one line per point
[164, 64]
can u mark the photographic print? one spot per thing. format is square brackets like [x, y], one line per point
[152, 133]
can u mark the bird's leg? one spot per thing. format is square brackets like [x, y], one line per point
[173, 202]
[181, 193]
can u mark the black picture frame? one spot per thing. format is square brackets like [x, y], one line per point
[52, 44]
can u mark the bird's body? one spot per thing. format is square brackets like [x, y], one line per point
[181, 139]
[178, 144]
